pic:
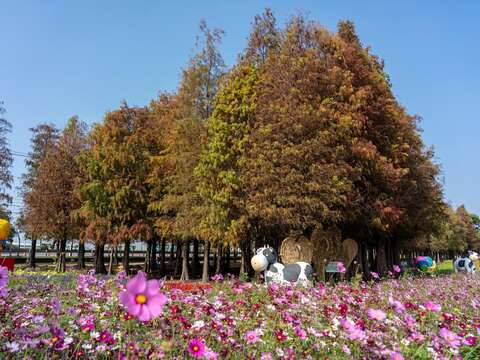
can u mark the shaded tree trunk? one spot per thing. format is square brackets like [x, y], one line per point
[185, 252]
[81, 255]
[245, 259]
[61, 260]
[227, 259]
[110, 260]
[126, 257]
[162, 256]
[99, 259]
[32, 254]
[150, 257]
[219, 266]
[364, 259]
[381, 258]
[178, 259]
[115, 258]
[206, 260]
[195, 259]
[172, 252]
[147, 265]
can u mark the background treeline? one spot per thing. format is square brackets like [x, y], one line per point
[303, 131]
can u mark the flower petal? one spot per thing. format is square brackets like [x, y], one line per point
[144, 313]
[137, 284]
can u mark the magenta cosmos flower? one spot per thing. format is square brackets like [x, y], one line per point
[397, 269]
[143, 298]
[196, 348]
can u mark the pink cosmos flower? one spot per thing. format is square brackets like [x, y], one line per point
[210, 355]
[396, 356]
[3, 276]
[143, 298]
[251, 337]
[375, 275]
[452, 339]
[196, 348]
[399, 307]
[341, 267]
[397, 269]
[429, 305]
[376, 314]
[266, 356]
[302, 334]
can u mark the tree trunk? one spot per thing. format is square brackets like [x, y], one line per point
[153, 254]
[195, 259]
[206, 260]
[148, 258]
[185, 250]
[61, 260]
[81, 255]
[172, 252]
[110, 261]
[126, 257]
[365, 262]
[178, 259]
[245, 259]
[382, 267]
[227, 259]
[98, 259]
[162, 256]
[219, 265]
[115, 255]
[31, 256]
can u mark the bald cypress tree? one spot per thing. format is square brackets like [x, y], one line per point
[6, 159]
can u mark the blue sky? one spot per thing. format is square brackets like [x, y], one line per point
[59, 60]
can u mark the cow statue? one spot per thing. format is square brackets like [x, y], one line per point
[466, 263]
[265, 260]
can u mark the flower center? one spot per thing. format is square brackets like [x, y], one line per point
[141, 299]
[195, 348]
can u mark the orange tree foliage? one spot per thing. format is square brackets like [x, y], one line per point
[50, 184]
[115, 192]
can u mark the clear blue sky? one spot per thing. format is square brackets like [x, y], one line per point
[58, 60]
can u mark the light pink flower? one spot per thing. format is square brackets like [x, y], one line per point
[251, 337]
[376, 314]
[396, 356]
[450, 338]
[143, 298]
[429, 305]
[396, 269]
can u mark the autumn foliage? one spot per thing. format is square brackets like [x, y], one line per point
[303, 131]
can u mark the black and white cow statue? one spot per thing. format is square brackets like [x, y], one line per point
[466, 263]
[297, 273]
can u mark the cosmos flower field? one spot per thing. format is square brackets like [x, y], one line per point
[79, 315]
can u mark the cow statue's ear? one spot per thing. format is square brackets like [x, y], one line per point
[259, 250]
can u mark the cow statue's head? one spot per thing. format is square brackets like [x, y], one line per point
[263, 258]
[473, 255]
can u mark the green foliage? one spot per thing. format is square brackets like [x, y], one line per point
[229, 127]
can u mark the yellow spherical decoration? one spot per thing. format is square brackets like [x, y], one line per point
[4, 229]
